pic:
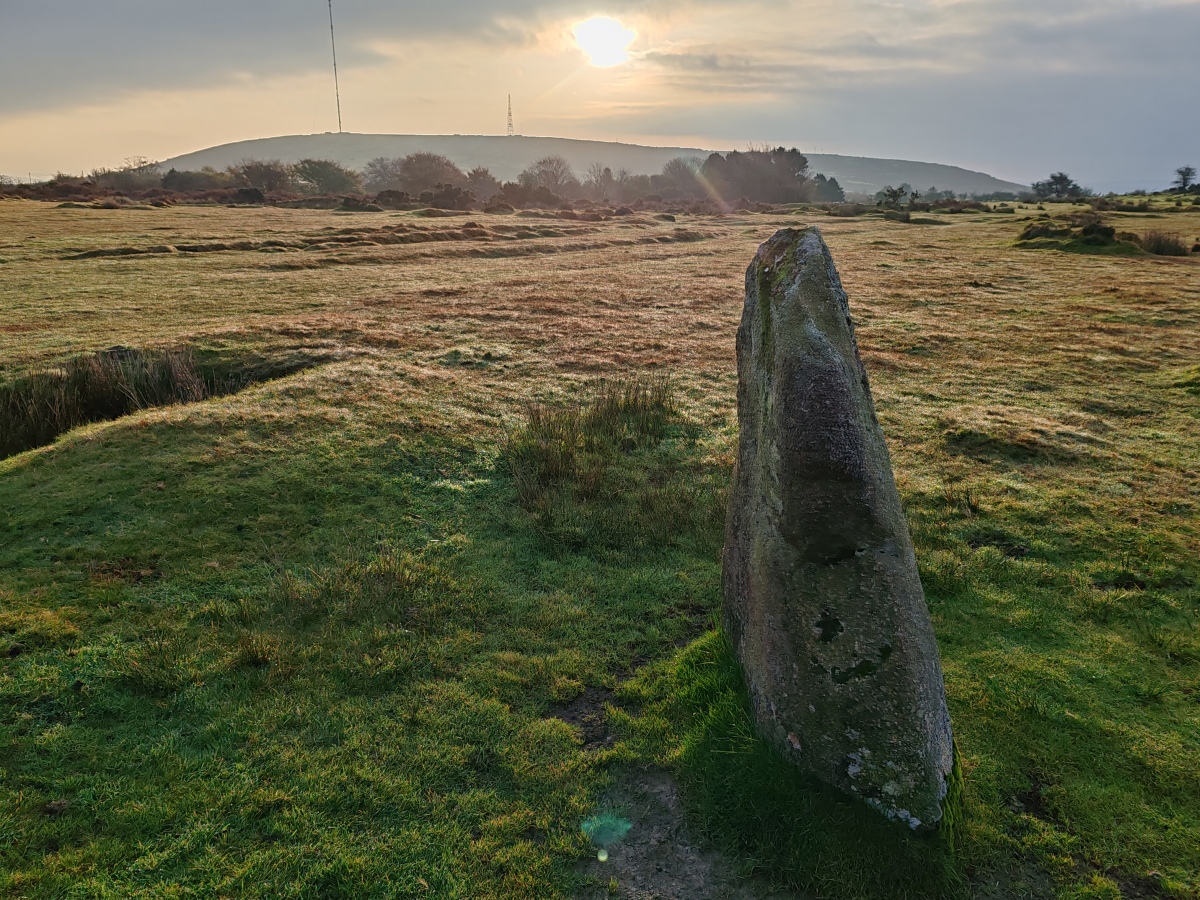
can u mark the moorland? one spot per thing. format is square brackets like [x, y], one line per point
[425, 573]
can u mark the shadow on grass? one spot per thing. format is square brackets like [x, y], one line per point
[750, 802]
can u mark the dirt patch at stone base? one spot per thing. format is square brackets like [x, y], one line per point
[659, 859]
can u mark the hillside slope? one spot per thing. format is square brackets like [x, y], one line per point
[507, 156]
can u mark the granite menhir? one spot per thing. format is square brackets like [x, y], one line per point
[823, 602]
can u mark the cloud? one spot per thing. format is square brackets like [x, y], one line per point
[963, 81]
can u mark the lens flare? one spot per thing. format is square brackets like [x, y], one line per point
[604, 40]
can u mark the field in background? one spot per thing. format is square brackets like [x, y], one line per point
[313, 639]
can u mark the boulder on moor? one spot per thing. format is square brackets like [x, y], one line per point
[823, 602]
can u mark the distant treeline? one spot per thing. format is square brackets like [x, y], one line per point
[756, 176]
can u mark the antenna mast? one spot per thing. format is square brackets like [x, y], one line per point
[511, 130]
[336, 90]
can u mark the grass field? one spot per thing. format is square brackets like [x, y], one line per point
[332, 636]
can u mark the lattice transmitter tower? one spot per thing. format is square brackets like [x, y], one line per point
[511, 130]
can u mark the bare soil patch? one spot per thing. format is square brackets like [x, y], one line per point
[659, 859]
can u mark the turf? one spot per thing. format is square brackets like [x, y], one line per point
[314, 638]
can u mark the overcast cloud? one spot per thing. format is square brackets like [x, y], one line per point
[1104, 89]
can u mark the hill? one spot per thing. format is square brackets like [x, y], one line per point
[507, 156]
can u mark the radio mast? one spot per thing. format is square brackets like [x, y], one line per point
[511, 130]
[336, 90]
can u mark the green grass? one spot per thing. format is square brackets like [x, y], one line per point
[694, 716]
[308, 639]
[392, 676]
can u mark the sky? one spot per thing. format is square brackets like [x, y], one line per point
[1103, 89]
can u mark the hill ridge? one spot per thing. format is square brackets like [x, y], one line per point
[506, 156]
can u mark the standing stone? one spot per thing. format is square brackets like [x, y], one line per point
[823, 602]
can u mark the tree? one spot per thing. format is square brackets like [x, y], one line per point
[551, 172]
[827, 190]
[892, 197]
[1185, 178]
[324, 176]
[269, 175]
[382, 174]
[679, 175]
[1059, 186]
[419, 172]
[765, 176]
[483, 184]
[600, 181]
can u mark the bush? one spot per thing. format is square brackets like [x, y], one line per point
[207, 179]
[1097, 234]
[448, 196]
[524, 196]
[1162, 243]
[390, 199]
[249, 196]
[138, 173]
[895, 215]
[1035, 230]
[270, 176]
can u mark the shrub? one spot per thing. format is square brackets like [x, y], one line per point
[1035, 230]
[1162, 243]
[449, 196]
[390, 199]
[249, 196]
[1097, 234]
[521, 195]
[895, 215]
[207, 179]
[271, 175]
[138, 173]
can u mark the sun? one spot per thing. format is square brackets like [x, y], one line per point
[604, 40]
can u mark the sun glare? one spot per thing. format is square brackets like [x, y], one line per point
[604, 40]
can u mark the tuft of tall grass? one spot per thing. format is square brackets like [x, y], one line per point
[108, 384]
[560, 444]
[93, 388]
[1162, 243]
[608, 474]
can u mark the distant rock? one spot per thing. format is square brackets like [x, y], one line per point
[823, 602]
